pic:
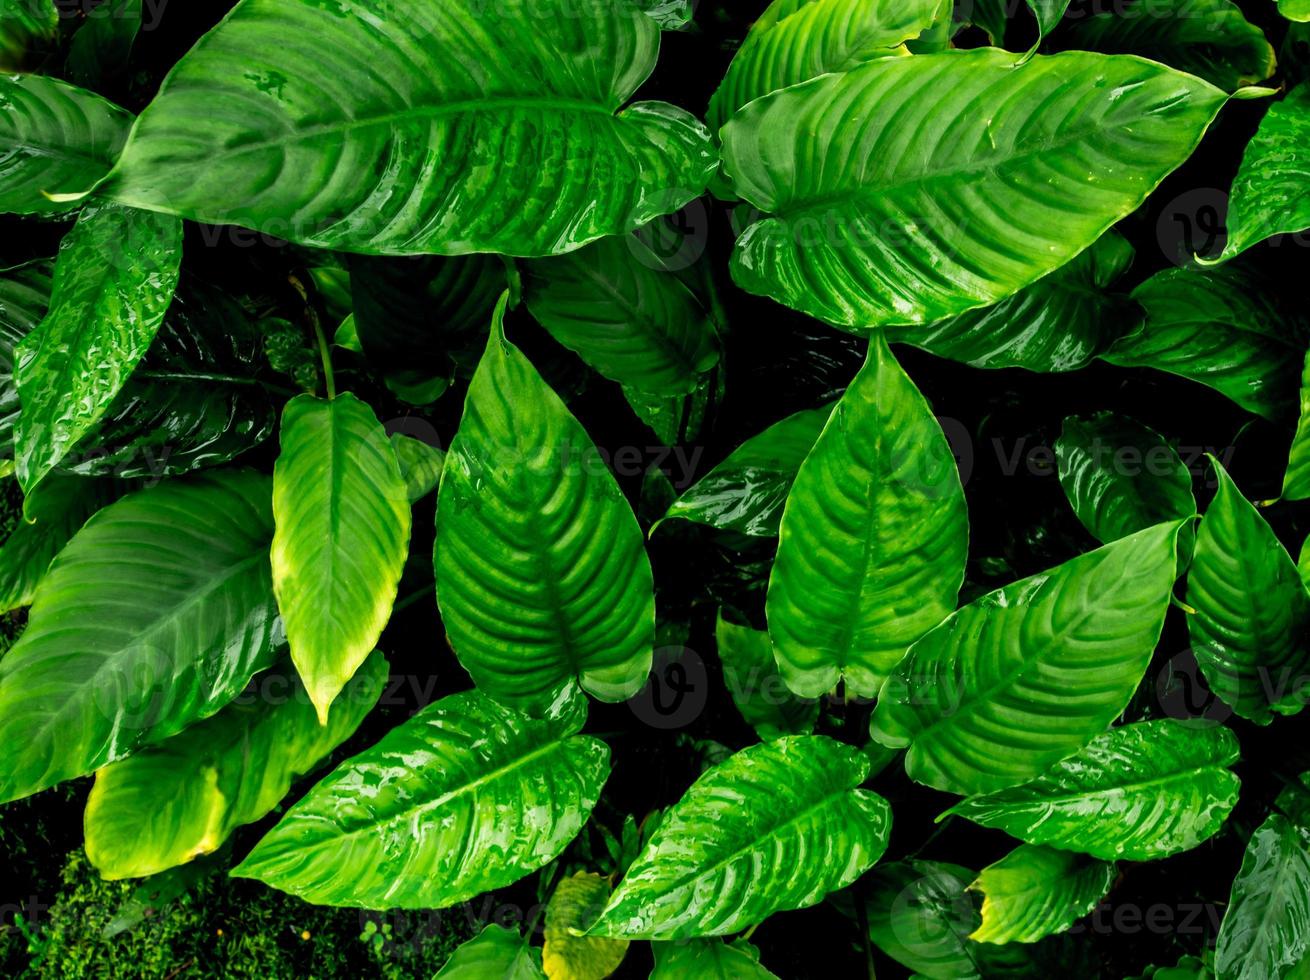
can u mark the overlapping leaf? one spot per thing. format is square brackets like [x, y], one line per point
[1037, 891]
[921, 915]
[1296, 479]
[952, 180]
[1139, 792]
[60, 508]
[541, 574]
[494, 952]
[874, 537]
[757, 689]
[572, 909]
[24, 297]
[420, 464]
[776, 826]
[466, 796]
[173, 802]
[153, 617]
[708, 958]
[459, 127]
[26, 26]
[1030, 673]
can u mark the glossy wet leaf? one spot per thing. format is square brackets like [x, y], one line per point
[182, 798]
[573, 908]
[465, 796]
[113, 282]
[1296, 479]
[333, 146]
[874, 537]
[1059, 323]
[932, 207]
[1268, 195]
[24, 297]
[1032, 672]
[1251, 629]
[793, 41]
[737, 960]
[1137, 793]
[60, 509]
[746, 492]
[921, 915]
[1221, 328]
[494, 952]
[154, 616]
[54, 137]
[1038, 891]
[26, 27]
[1121, 477]
[341, 513]
[617, 306]
[420, 465]
[756, 686]
[1207, 38]
[776, 826]
[541, 573]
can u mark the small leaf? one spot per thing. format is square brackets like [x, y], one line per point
[874, 537]
[708, 958]
[921, 915]
[1139, 792]
[420, 465]
[341, 513]
[465, 796]
[1249, 631]
[1032, 672]
[573, 908]
[756, 687]
[1038, 891]
[776, 826]
[173, 802]
[495, 952]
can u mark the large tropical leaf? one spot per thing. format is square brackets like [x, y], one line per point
[1120, 476]
[1139, 792]
[542, 578]
[1059, 323]
[113, 282]
[1269, 192]
[153, 617]
[24, 297]
[1296, 479]
[494, 952]
[466, 796]
[796, 40]
[617, 307]
[1207, 38]
[26, 26]
[460, 127]
[921, 915]
[59, 509]
[1266, 929]
[757, 689]
[1222, 328]
[711, 958]
[1251, 628]
[1037, 891]
[54, 137]
[776, 826]
[173, 802]
[746, 492]
[953, 180]
[341, 513]
[566, 955]
[874, 537]
[1030, 673]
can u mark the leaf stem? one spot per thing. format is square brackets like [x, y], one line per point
[324, 353]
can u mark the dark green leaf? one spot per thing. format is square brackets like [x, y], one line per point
[756, 687]
[1296, 479]
[101, 46]
[921, 915]
[420, 464]
[26, 26]
[24, 297]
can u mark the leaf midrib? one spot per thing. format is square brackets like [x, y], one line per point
[1073, 796]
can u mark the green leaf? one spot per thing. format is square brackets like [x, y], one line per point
[708, 958]
[113, 282]
[1207, 38]
[334, 146]
[153, 617]
[796, 40]
[1120, 476]
[921, 915]
[26, 26]
[912, 222]
[1048, 14]
[173, 802]
[616, 305]
[1297, 10]
[494, 952]
[341, 513]
[101, 46]
[541, 574]
[874, 537]
[776, 826]
[677, 418]
[1059, 323]
[60, 508]
[746, 492]
[54, 137]
[1032, 672]
[1296, 479]
[1266, 929]
[420, 464]
[24, 297]
[1139, 792]
[756, 687]
[1038, 891]
[1252, 612]
[1269, 192]
[1222, 328]
[464, 797]
[573, 908]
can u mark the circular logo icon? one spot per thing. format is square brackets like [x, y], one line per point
[676, 691]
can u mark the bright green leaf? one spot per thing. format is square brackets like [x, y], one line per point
[494, 952]
[1297, 10]
[1296, 479]
[420, 464]
[757, 688]
[1038, 891]
[708, 958]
